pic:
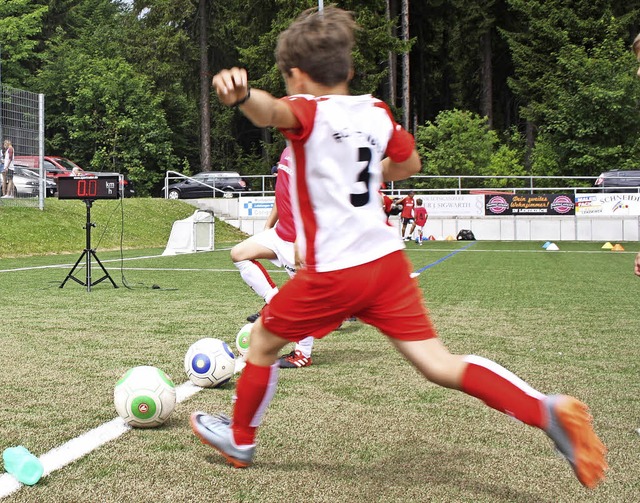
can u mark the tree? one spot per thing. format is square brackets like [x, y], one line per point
[20, 25]
[572, 73]
[458, 142]
[117, 120]
[594, 122]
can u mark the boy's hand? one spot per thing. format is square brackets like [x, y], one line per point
[231, 85]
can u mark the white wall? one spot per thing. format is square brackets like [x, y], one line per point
[493, 228]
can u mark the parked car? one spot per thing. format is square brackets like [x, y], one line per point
[53, 165]
[202, 184]
[26, 182]
[619, 180]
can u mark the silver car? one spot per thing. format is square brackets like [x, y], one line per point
[27, 181]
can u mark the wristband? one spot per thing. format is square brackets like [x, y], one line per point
[243, 100]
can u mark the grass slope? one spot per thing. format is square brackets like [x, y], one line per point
[59, 228]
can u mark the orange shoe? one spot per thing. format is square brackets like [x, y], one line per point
[569, 426]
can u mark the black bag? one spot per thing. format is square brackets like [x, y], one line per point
[465, 235]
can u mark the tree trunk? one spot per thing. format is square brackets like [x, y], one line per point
[205, 111]
[393, 67]
[529, 134]
[405, 66]
[486, 73]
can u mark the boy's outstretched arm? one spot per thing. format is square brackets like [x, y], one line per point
[261, 108]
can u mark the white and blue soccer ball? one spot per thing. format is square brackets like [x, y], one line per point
[209, 363]
[242, 339]
[144, 397]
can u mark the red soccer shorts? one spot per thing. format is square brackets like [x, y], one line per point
[380, 293]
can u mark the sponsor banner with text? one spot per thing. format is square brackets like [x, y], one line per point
[453, 206]
[529, 204]
[608, 204]
[255, 207]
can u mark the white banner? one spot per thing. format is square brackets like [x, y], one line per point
[460, 206]
[607, 204]
[255, 207]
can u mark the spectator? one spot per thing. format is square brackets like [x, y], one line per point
[8, 188]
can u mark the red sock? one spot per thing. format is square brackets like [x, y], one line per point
[502, 390]
[254, 391]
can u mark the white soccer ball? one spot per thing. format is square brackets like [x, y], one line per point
[242, 339]
[144, 397]
[209, 363]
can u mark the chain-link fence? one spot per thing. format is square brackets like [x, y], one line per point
[22, 123]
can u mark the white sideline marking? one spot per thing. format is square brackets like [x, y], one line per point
[59, 266]
[80, 446]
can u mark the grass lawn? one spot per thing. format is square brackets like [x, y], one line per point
[359, 424]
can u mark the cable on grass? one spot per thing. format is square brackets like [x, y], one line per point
[125, 283]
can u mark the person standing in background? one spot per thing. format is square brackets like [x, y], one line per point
[8, 188]
[2, 182]
[407, 213]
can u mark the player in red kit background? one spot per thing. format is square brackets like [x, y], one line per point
[419, 220]
[407, 213]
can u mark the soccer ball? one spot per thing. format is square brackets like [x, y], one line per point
[209, 363]
[144, 397]
[242, 339]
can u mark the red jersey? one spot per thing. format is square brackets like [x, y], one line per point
[285, 226]
[420, 215]
[407, 207]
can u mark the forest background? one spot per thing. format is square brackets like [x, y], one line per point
[489, 87]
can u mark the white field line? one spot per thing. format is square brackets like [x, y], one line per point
[58, 266]
[471, 250]
[80, 446]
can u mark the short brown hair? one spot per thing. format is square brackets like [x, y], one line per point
[636, 45]
[319, 44]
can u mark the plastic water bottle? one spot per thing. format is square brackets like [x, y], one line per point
[23, 465]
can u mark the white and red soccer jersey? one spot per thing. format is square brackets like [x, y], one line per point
[337, 152]
[285, 226]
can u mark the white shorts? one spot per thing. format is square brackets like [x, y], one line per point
[284, 250]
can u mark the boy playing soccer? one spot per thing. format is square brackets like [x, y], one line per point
[343, 148]
[419, 220]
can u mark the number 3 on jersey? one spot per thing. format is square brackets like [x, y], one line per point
[361, 198]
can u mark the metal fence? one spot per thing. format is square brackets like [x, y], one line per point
[22, 122]
[263, 185]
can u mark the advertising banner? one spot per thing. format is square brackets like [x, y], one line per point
[453, 206]
[607, 204]
[255, 207]
[529, 204]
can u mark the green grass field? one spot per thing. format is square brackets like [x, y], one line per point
[359, 424]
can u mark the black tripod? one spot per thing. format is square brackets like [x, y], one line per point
[88, 253]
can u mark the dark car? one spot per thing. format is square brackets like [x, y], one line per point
[619, 180]
[204, 184]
